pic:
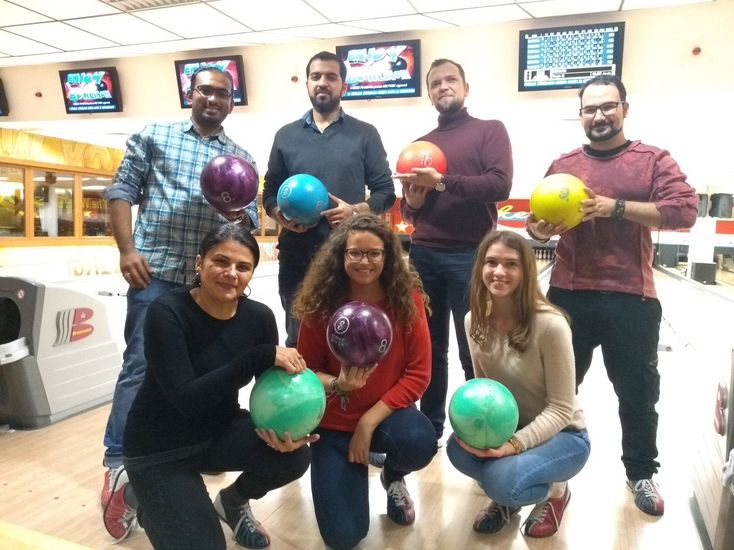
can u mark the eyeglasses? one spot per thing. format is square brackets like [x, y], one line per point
[606, 109]
[355, 255]
[208, 92]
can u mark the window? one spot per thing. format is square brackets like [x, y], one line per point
[12, 200]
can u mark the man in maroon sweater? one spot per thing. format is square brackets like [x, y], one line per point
[603, 276]
[451, 213]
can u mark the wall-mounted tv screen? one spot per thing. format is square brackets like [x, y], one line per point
[382, 69]
[94, 90]
[566, 57]
[233, 64]
[4, 111]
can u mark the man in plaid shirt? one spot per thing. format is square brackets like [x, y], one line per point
[160, 174]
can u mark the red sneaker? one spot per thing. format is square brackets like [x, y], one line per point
[119, 517]
[112, 477]
[545, 518]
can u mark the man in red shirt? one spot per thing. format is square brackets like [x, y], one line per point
[602, 274]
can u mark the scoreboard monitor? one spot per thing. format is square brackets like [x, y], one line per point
[566, 57]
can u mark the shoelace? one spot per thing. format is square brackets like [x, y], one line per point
[246, 516]
[503, 511]
[544, 508]
[647, 487]
[398, 493]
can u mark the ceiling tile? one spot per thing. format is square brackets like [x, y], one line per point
[11, 14]
[481, 16]
[271, 14]
[350, 11]
[402, 23]
[641, 4]
[424, 6]
[12, 44]
[62, 36]
[124, 29]
[67, 9]
[193, 20]
[330, 30]
[553, 8]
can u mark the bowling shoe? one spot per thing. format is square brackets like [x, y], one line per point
[399, 504]
[246, 530]
[545, 518]
[119, 517]
[494, 517]
[647, 496]
[112, 477]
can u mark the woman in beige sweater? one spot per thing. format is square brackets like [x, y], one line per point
[519, 339]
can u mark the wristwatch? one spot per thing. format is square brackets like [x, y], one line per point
[440, 186]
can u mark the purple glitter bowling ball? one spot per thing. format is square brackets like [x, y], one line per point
[359, 334]
[229, 183]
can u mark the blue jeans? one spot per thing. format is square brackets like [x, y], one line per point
[446, 275]
[174, 506]
[340, 488]
[627, 327]
[133, 366]
[525, 478]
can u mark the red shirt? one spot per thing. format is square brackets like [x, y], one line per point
[616, 255]
[399, 380]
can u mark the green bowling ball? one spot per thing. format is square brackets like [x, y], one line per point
[483, 413]
[283, 402]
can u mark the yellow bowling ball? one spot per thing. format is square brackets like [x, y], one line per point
[557, 198]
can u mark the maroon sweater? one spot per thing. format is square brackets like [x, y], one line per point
[478, 174]
[616, 255]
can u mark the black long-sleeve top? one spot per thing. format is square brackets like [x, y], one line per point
[196, 366]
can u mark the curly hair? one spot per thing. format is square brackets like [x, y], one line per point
[326, 284]
[528, 297]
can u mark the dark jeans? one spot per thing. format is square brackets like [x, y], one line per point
[446, 274]
[174, 506]
[340, 488]
[290, 276]
[627, 327]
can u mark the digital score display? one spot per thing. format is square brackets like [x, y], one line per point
[566, 57]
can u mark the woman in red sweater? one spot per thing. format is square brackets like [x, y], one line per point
[369, 409]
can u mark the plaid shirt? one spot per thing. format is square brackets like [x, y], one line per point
[160, 174]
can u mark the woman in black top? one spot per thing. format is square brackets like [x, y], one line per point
[202, 345]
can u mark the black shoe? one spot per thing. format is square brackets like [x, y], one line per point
[494, 517]
[246, 530]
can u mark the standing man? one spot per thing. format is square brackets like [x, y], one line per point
[451, 213]
[603, 276]
[346, 154]
[160, 173]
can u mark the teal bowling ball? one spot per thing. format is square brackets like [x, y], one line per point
[302, 198]
[283, 402]
[483, 413]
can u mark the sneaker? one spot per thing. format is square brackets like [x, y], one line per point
[494, 517]
[545, 518]
[246, 530]
[399, 504]
[118, 516]
[112, 477]
[377, 459]
[647, 497]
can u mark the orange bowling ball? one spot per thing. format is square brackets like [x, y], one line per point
[557, 198]
[421, 154]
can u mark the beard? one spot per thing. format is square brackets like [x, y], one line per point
[451, 108]
[602, 132]
[325, 106]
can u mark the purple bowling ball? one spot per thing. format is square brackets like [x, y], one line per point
[229, 183]
[359, 334]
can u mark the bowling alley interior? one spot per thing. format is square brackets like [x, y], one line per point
[58, 256]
